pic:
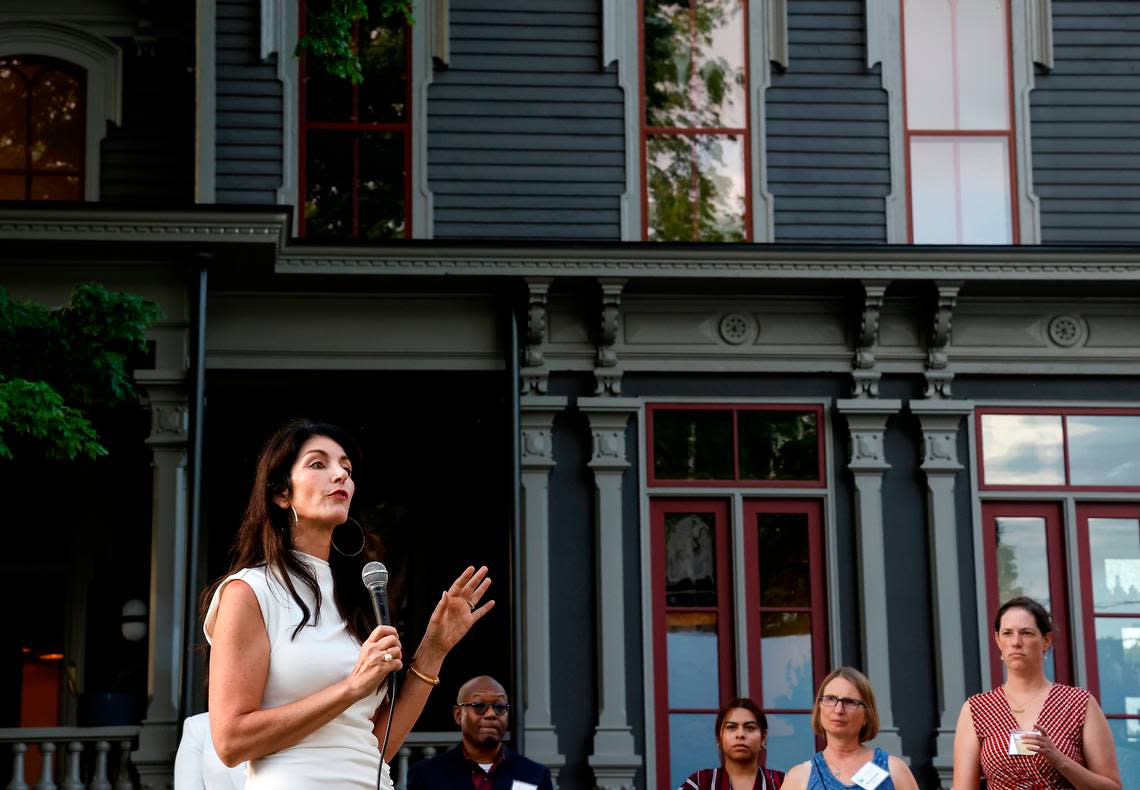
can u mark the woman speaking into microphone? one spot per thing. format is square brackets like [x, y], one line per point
[296, 662]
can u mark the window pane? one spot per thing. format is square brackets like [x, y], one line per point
[785, 655]
[690, 559]
[694, 64]
[383, 94]
[327, 97]
[1114, 549]
[13, 119]
[929, 65]
[785, 568]
[1102, 450]
[382, 186]
[696, 188]
[692, 445]
[328, 185]
[983, 68]
[693, 660]
[692, 745]
[58, 133]
[960, 191]
[13, 188]
[1118, 663]
[1023, 449]
[778, 445]
[1022, 558]
[790, 739]
[1126, 734]
[55, 188]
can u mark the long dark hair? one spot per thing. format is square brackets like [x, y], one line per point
[265, 537]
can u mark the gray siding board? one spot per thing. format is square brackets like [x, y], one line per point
[526, 136]
[248, 137]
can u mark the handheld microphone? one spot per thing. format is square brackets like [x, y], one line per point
[375, 578]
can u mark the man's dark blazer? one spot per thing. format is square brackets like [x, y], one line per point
[451, 771]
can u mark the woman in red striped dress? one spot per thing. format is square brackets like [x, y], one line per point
[1030, 733]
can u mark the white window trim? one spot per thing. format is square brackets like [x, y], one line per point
[768, 43]
[736, 496]
[99, 56]
[1032, 35]
[430, 40]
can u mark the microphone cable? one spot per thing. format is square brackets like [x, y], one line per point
[387, 727]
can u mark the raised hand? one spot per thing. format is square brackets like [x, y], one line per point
[458, 609]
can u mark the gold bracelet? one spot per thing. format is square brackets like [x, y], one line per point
[425, 678]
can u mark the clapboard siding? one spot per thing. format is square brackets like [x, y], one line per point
[1086, 135]
[525, 131]
[827, 152]
[248, 147]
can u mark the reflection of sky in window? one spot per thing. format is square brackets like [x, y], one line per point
[692, 745]
[787, 671]
[722, 160]
[790, 740]
[1102, 449]
[1025, 449]
[1118, 662]
[1021, 541]
[1114, 546]
[693, 676]
[728, 47]
[967, 176]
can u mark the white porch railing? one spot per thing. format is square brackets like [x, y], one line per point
[84, 758]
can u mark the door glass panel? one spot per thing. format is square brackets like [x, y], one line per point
[691, 644]
[1126, 734]
[1114, 548]
[690, 559]
[785, 571]
[1023, 565]
[785, 644]
[778, 445]
[790, 739]
[1102, 449]
[1023, 449]
[1118, 663]
[692, 445]
[692, 744]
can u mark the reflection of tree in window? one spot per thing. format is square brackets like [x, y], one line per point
[778, 446]
[42, 128]
[690, 560]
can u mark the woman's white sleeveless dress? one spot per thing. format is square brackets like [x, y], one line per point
[343, 753]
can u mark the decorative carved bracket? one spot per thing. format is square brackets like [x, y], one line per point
[607, 373]
[938, 373]
[865, 372]
[534, 372]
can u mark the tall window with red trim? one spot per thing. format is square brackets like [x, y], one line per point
[959, 127]
[705, 562]
[1081, 461]
[695, 156]
[43, 127]
[355, 140]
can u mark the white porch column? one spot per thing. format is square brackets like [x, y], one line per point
[537, 421]
[940, 420]
[614, 759]
[158, 739]
[867, 422]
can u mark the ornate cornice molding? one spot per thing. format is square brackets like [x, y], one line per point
[119, 226]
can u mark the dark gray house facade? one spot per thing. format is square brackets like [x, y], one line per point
[740, 338]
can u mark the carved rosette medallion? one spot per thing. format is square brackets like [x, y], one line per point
[736, 328]
[1067, 331]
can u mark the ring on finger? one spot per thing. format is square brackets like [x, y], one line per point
[470, 605]
[387, 656]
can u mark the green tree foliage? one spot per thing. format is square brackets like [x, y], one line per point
[56, 366]
[329, 33]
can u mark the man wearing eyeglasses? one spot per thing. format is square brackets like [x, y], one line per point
[480, 761]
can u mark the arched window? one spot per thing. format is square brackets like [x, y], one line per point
[43, 123]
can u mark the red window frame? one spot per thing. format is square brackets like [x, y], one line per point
[1009, 134]
[1085, 511]
[723, 131]
[1050, 512]
[404, 128]
[726, 650]
[735, 481]
[1063, 413]
[29, 170]
[817, 608]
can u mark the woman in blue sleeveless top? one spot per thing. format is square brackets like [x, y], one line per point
[845, 715]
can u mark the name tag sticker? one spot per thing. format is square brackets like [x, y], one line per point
[869, 776]
[517, 785]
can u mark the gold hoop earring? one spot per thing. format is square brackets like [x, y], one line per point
[296, 518]
[362, 540]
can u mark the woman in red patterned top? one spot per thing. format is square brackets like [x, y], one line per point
[1030, 733]
[741, 734]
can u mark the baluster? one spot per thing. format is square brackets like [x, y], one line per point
[99, 780]
[402, 767]
[18, 783]
[429, 752]
[123, 780]
[72, 780]
[47, 782]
